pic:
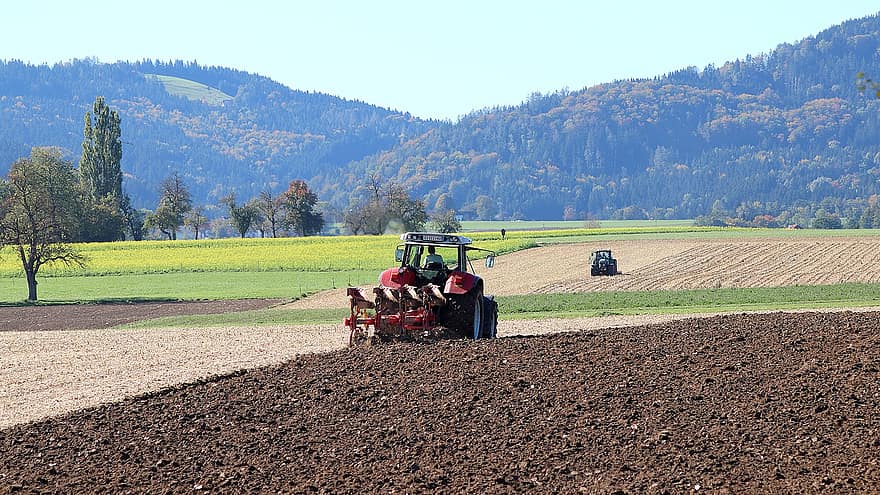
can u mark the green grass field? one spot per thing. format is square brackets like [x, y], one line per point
[191, 90]
[193, 286]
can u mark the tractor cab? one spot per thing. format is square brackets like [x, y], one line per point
[433, 257]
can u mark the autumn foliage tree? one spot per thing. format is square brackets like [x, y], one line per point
[298, 206]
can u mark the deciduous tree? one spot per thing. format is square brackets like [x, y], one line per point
[39, 206]
[485, 207]
[134, 219]
[446, 222]
[404, 209]
[196, 220]
[386, 208]
[298, 204]
[270, 207]
[174, 203]
[242, 217]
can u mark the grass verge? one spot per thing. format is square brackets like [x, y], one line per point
[588, 304]
[193, 286]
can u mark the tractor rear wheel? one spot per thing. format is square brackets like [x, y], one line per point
[463, 314]
[490, 318]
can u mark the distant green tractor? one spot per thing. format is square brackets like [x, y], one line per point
[602, 263]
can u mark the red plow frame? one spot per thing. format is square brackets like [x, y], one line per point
[405, 314]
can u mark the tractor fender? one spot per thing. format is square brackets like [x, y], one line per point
[395, 278]
[460, 283]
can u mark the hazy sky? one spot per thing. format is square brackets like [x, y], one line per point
[434, 59]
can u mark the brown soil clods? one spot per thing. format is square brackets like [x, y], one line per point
[759, 403]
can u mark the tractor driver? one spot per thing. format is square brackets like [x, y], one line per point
[433, 261]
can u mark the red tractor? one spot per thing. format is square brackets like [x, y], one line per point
[433, 294]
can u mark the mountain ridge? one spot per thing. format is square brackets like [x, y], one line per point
[782, 133]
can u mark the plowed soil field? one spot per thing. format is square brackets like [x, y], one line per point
[732, 404]
[779, 402]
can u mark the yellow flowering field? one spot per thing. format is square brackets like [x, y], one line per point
[300, 254]
[312, 254]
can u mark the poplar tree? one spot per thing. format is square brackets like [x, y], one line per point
[99, 166]
[100, 175]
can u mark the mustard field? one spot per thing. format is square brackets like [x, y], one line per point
[300, 254]
[311, 254]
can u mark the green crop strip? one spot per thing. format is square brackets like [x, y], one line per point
[541, 306]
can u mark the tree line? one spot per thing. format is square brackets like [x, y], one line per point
[47, 205]
[293, 212]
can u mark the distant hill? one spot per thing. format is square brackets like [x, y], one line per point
[222, 129]
[783, 134]
[782, 131]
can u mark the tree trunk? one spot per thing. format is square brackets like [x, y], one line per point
[32, 285]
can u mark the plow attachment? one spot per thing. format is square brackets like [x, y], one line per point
[408, 313]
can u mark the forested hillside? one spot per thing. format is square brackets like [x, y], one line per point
[786, 130]
[264, 136]
[777, 136]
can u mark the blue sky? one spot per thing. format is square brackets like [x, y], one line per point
[439, 59]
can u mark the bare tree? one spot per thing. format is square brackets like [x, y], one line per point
[196, 220]
[270, 207]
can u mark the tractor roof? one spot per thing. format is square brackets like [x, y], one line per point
[433, 238]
